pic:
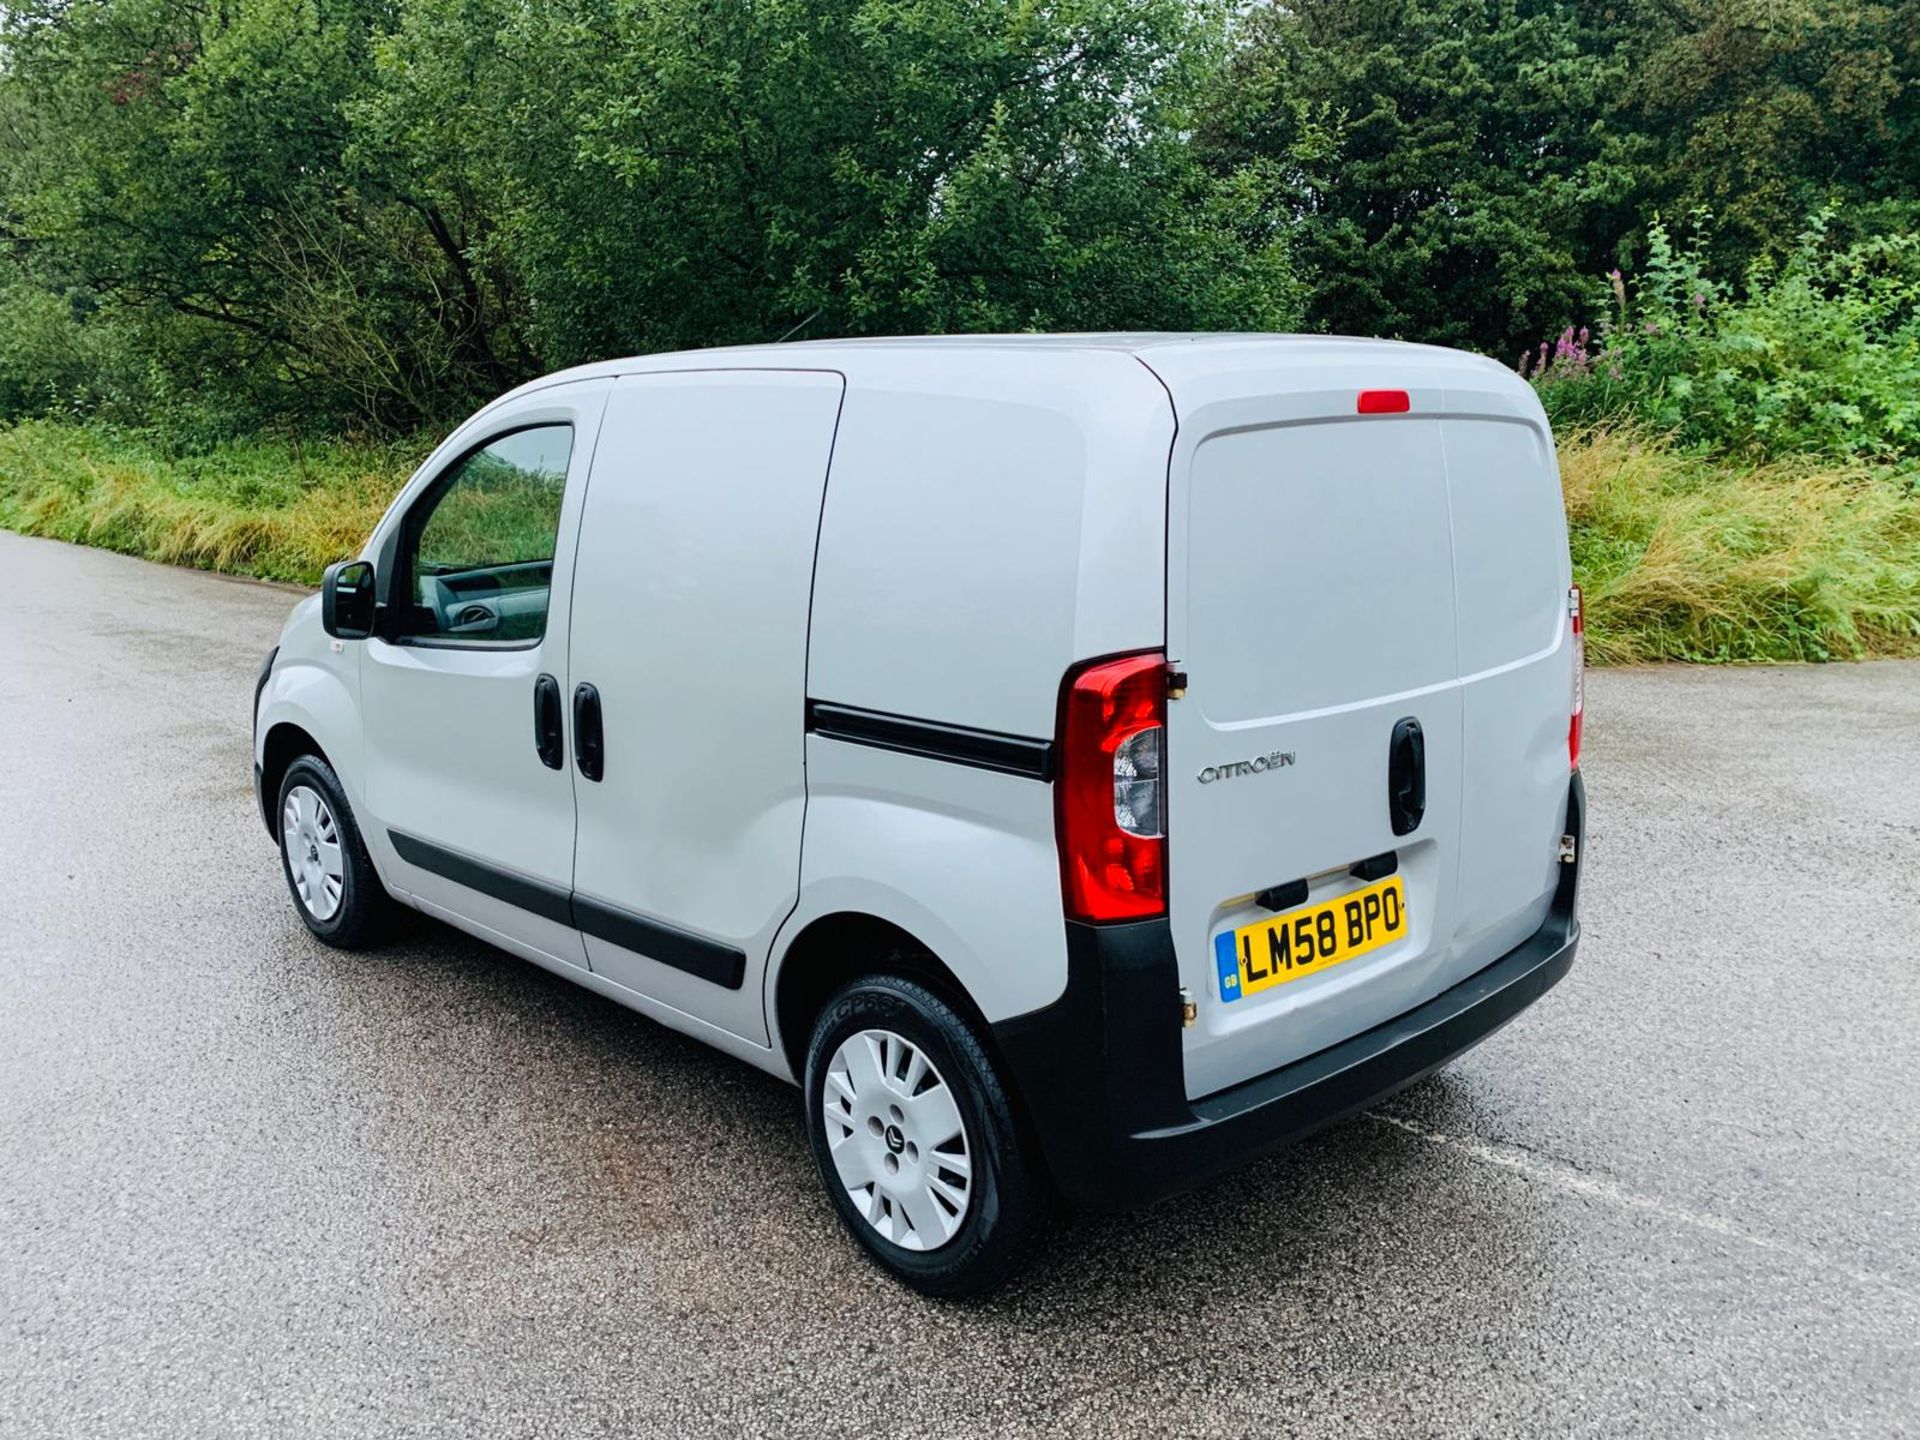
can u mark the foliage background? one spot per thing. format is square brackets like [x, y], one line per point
[223, 215]
[252, 252]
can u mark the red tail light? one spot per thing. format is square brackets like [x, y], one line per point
[1575, 608]
[1110, 796]
[1384, 402]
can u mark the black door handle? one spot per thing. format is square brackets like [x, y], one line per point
[589, 748]
[1407, 776]
[546, 723]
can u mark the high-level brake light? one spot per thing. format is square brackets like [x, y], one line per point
[1575, 608]
[1384, 402]
[1111, 795]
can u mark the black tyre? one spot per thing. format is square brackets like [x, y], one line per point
[916, 1139]
[328, 870]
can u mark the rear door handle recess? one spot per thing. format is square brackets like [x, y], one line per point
[589, 750]
[1407, 776]
[546, 723]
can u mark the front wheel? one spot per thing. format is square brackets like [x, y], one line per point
[916, 1139]
[329, 872]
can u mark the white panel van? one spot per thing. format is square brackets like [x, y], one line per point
[1082, 763]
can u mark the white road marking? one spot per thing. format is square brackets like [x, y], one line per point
[1561, 1176]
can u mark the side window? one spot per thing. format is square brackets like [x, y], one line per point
[477, 552]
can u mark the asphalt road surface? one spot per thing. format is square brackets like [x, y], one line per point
[249, 1186]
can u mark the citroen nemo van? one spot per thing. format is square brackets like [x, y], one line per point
[1082, 763]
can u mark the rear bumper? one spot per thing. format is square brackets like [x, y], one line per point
[1101, 1073]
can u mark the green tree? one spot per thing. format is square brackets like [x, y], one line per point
[680, 172]
[376, 211]
[1761, 112]
[1451, 163]
[186, 171]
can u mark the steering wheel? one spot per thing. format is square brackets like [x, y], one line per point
[472, 618]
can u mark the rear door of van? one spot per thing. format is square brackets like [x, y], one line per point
[1366, 597]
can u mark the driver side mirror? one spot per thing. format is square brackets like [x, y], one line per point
[346, 600]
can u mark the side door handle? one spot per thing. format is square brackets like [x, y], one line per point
[1407, 776]
[589, 746]
[547, 739]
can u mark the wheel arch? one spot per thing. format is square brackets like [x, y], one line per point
[284, 743]
[306, 705]
[844, 945]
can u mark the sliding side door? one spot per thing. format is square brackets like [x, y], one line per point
[689, 636]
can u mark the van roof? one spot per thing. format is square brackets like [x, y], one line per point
[1130, 342]
[1316, 347]
[1173, 355]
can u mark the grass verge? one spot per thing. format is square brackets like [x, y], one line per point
[275, 510]
[1682, 557]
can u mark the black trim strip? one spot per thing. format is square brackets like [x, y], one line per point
[711, 960]
[549, 902]
[982, 749]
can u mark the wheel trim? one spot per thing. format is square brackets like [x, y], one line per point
[898, 1141]
[310, 839]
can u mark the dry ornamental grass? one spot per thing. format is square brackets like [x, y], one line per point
[1687, 558]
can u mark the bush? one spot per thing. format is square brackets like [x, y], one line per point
[1820, 355]
[59, 356]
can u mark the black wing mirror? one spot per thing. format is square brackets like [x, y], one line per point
[346, 600]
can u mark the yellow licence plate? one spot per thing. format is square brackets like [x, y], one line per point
[1301, 942]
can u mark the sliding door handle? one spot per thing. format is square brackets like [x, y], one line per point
[589, 746]
[547, 739]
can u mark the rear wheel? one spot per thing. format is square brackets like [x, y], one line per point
[328, 870]
[916, 1141]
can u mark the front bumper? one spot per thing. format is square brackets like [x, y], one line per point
[1102, 1076]
[259, 777]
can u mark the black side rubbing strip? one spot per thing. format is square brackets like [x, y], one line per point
[549, 902]
[711, 960]
[982, 749]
